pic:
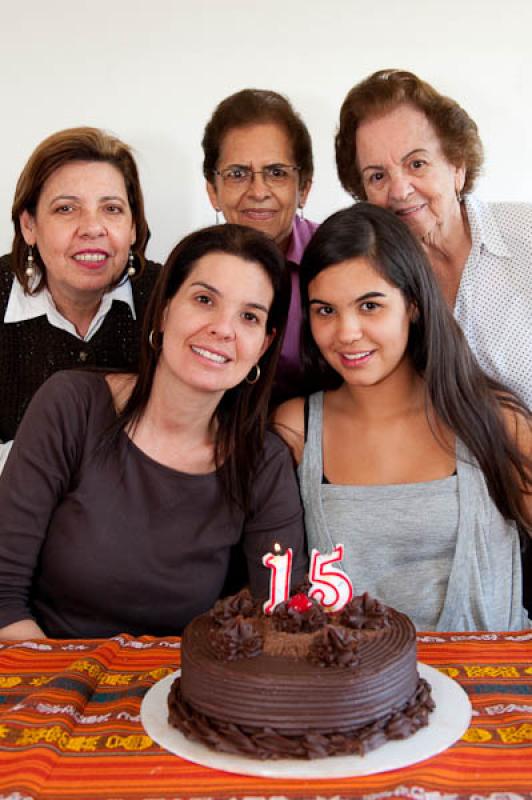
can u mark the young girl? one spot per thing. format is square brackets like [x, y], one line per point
[124, 495]
[410, 457]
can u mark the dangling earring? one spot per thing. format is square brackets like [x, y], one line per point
[154, 347]
[217, 210]
[301, 212]
[131, 262]
[257, 375]
[459, 197]
[30, 269]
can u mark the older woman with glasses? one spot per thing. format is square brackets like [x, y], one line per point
[404, 146]
[258, 167]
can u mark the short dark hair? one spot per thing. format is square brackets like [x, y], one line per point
[385, 90]
[458, 392]
[254, 107]
[64, 147]
[242, 411]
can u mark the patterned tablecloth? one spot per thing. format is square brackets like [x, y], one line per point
[70, 727]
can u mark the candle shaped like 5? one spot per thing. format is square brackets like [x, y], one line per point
[331, 587]
[281, 567]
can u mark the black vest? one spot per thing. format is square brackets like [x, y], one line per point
[32, 350]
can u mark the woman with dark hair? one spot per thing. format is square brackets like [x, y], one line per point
[74, 289]
[124, 494]
[404, 146]
[258, 169]
[412, 458]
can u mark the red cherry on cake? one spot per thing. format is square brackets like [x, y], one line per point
[300, 602]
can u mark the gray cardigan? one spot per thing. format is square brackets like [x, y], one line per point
[439, 551]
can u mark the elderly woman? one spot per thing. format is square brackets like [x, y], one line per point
[124, 494]
[66, 294]
[258, 168]
[405, 147]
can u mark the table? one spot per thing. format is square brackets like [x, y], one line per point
[70, 727]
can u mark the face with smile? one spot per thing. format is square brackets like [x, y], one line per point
[403, 168]
[214, 328]
[359, 321]
[267, 208]
[83, 229]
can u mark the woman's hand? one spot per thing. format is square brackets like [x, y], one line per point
[25, 629]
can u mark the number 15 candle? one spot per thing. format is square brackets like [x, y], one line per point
[329, 584]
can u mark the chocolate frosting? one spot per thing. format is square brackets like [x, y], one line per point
[237, 638]
[271, 743]
[290, 620]
[241, 604]
[365, 612]
[334, 647]
[346, 687]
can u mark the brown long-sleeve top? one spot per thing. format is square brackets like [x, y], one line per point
[92, 545]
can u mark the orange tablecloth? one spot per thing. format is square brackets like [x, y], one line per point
[70, 727]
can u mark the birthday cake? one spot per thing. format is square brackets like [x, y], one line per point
[301, 682]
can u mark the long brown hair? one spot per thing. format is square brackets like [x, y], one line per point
[64, 147]
[242, 412]
[458, 392]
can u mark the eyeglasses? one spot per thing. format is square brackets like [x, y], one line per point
[272, 174]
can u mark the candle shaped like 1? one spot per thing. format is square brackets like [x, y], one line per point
[281, 567]
[330, 586]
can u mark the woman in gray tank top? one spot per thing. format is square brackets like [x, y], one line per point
[408, 455]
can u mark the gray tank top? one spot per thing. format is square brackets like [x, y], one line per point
[439, 551]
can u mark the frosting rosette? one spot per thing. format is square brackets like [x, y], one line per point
[365, 612]
[333, 647]
[237, 638]
[302, 617]
[237, 605]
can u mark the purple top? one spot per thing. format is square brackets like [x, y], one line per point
[287, 382]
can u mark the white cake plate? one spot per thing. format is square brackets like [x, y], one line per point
[449, 720]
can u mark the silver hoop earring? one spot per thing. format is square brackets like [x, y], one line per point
[30, 269]
[254, 380]
[151, 339]
[131, 262]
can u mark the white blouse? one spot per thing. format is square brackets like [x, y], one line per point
[494, 301]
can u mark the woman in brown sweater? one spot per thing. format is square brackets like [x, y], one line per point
[124, 495]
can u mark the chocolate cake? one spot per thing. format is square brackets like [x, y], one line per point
[301, 683]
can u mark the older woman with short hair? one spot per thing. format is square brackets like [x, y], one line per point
[66, 295]
[404, 146]
[258, 168]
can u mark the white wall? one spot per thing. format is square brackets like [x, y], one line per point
[152, 72]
